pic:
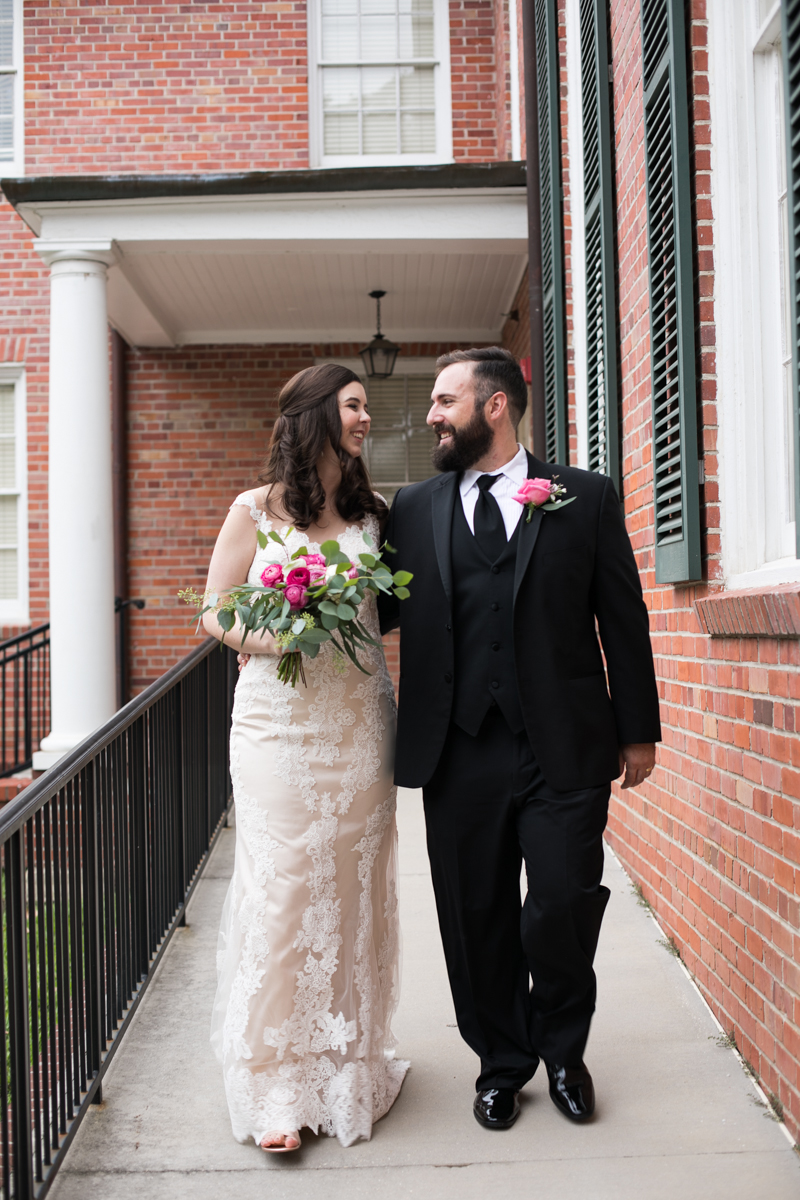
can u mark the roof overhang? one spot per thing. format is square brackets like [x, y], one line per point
[291, 256]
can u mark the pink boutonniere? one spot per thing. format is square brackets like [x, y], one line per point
[542, 493]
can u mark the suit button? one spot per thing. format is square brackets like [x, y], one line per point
[495, 684]
[449, 628]
[495, 645]
[448, 678]
[495, 570]
[495, 607]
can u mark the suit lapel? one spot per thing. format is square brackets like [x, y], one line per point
[443, 500]
[529, 530]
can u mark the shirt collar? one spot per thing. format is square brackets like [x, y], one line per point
[516, 470]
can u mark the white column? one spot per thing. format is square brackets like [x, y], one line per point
[82, 671]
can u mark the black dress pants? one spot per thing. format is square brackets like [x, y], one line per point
[488, 809]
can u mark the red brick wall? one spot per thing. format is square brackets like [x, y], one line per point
[199, 422]
[165, 87]
[474, 81]
[714, 836]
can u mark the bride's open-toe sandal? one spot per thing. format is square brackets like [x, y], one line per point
[281, 1148]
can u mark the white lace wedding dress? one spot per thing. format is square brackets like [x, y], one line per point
[308, 958]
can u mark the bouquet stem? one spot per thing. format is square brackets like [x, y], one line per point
[290, 668]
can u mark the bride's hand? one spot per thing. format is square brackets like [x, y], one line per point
[243, 660]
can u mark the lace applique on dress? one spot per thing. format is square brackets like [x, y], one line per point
[309, 947]
[248, 500]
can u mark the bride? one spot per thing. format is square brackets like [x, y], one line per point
[308, 951]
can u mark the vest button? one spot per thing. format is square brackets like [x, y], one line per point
[495, 684]
[449, 678]
[495, 606]
[495, 570]
[495, 645]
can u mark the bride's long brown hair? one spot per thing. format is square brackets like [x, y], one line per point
[308, 417]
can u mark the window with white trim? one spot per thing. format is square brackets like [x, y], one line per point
[11, 88]
[752, 294]
[380, 82]
[13, 499]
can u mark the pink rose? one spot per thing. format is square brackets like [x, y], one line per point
[272, 575]
[300, 576]
[315, 560]
[534, 491]
[352, 573]
[296, 594]
[316, 572]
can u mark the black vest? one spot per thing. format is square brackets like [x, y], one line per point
[483, 598]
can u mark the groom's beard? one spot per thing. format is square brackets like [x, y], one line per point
[466, 446]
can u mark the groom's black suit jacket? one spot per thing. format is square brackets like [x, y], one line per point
[573, 567]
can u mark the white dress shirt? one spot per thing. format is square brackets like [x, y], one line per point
[513, 474]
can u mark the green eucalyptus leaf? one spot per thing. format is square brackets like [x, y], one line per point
[401, 578]
[554, 505]
[367, 539]
[286, 608]
[276, 537]
[298, 626]
[402, 593]
[312, 650]
[329, 620]
[302, 551]
[369, 560]
[226, 619]
[325, 606]
[346, 612]
[328, 548]
[315, 637]
[261, 538]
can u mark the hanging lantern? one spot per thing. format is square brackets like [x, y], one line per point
[379, 356]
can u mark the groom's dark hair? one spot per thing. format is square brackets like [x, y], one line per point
[494, 370]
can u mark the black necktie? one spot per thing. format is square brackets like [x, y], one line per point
[490, 529]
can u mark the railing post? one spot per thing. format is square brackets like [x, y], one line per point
[180, 716]
[18, 1020]
[95, 931]
[27, 708]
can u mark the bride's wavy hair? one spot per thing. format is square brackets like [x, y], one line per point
[308, 417]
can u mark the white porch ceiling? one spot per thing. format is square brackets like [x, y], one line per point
[257, 297]
[299, 269]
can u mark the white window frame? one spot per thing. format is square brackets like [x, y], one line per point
[747, 295]
[17, 612]
[16, 165]
[441, 88]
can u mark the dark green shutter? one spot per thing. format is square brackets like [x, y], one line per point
[672, 340]
[791, 88]
[553, 305]
[601, 303]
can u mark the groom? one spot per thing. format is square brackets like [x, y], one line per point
[507, 725]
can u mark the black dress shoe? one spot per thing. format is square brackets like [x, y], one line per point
[496, 1108]
[571, 1090]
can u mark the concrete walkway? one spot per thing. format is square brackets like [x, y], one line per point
[677, 1117]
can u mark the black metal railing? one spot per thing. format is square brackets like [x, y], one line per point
[24, 697]
[98, 859]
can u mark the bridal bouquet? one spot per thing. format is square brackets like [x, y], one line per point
[306, 600]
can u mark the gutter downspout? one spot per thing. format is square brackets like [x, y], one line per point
[534, 230]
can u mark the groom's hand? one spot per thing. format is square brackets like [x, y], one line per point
[637, 761]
